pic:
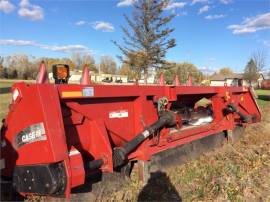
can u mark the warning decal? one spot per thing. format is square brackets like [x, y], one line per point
[118, 114]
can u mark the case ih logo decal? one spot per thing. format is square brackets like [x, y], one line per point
[31, 134]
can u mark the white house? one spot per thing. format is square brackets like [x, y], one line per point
[229, 80]
[234, 80]
[75, 77]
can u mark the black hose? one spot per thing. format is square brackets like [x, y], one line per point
[95, 164]
[132, 144]
[232, 109]
[120, 153]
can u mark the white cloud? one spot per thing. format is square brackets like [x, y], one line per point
[251, 25]
[80, 23]
[32, 12]
[35, 13]
[199, 1]
[66, 48]
[24, 3]
[125, 3]
[214, 17]
[57, 48]
[207, 70]
[6, 6]
[181, 13]
[225, 1]
[203, 9]
[103, 26]
[12, 42]
[174, 5]
[97, 25]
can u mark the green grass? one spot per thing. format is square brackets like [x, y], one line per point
[262, 92]
[5, 100]
[203, 102]
[6, 84]
[9, 82]
[263, 103]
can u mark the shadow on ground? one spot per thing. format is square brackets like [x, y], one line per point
[96, 187]
[159, 188]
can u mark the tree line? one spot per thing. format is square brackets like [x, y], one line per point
[25, 67]
[21, 66]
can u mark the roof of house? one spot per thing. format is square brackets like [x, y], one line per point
[219, 77]
[265, 74]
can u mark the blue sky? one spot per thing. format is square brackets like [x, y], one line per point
[209, 33]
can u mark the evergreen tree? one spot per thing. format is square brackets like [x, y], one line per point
[146, 39]
[14, 74]
[251, 72]
[5, 73]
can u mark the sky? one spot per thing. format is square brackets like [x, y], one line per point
[209, 33]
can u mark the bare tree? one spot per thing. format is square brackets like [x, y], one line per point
[87, 59]
[23, 64]
[107, 65]
[1, 67]
[81, 59]
[76, 58]
[259, 57]
[125, 69]
[225, 71]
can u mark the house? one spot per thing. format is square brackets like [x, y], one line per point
[229, 80]
[234, 79]
[75, 77]
[265, 81]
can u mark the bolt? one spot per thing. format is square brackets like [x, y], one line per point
[47, 185]
[27, 171]
[29, 188]
[33, 180]
[25, 179]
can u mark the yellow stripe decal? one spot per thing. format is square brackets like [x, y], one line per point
[72, 94]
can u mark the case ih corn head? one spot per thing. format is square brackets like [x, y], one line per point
[57, 134]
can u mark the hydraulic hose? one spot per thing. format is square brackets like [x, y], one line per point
[120, 153]
[95, 164]
[232, 109]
